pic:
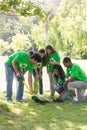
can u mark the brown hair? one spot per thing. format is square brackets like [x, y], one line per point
[51, 48]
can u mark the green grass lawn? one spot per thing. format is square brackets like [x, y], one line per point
[33, 116]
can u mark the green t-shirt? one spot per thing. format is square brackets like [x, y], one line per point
[76, 72]
[59, 80]
[40, 65]
[22, 59]
[53, 57]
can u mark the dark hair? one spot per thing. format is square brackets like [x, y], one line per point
[61, 71]
[44, 59]
[66, 59]
[41, 50]
[51, 48]
[36, 56]
[31, 52]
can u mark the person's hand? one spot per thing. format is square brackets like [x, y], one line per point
[37, 76]
[64, 85]
[31, 92]
[19, 74]
[51, 62]
[60, 96]
[40, 76]
[66, 80]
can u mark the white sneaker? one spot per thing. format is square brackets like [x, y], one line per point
[9, 101]
[24, 97]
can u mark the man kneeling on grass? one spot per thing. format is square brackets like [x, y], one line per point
[75, 79]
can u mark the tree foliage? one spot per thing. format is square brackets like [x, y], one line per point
[20, 42]
[67, 30]
[73, 26]
[3, 45]
[24, 8]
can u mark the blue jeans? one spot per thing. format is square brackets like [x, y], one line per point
[66, 95]
[9, 81]
[40, 82]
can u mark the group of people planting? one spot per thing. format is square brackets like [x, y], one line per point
[69, 85]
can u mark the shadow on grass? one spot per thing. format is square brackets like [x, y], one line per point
[56, 116]
[4, 108]
[52, 116]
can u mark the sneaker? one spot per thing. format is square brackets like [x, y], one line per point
[24, 97]
[73, 102]
[22, 100]
[9, 101]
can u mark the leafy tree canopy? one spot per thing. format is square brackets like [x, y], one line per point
[24, 8]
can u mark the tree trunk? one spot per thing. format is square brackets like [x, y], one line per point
[46, 33]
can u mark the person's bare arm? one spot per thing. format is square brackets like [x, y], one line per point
[14, 63]
[54, 62]
[30, 81]
[54, 82]
[36, 71]
[40, 71]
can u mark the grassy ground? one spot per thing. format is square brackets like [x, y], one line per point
[33, 116]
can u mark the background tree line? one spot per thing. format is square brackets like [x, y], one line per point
[64, 26]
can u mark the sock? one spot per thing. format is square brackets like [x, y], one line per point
[75, 98]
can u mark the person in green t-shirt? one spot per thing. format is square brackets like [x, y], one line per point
[17, 64]
[53, 58]
[58, 80]
[37, 73]
[76, 78]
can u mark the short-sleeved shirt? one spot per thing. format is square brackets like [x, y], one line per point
[76, 72]
[22, 59]
[59, 80]
[53, 57]
[41, 64]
